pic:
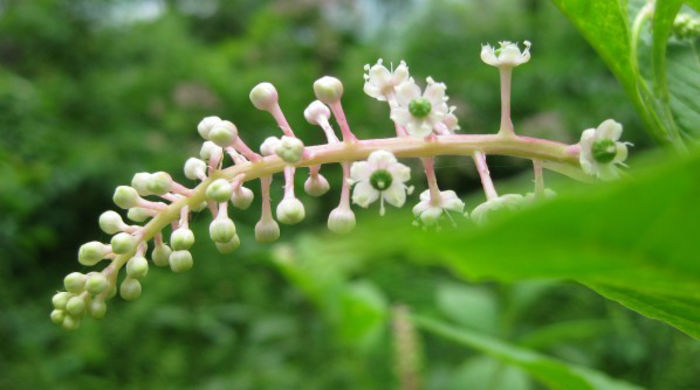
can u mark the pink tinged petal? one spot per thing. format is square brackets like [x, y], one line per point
[435, 92]
[395, 195]
[372, 90]
[587, 138]
[399, 172]
[425, 196]
[609, 129]
[360, 171]
[363, 194]
[381, 159]
[420, 207]
[379, 75]
[400, 73]
[488, 56]
[419, 128]
[407, 91]
[400, 115]
[450, 120]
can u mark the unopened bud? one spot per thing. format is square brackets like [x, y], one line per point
[341, 220]
[181, 239]
[264, 96]
[60, 299]
[160, 255]
[219, 190]
[130, 289]
[92, 252]
[70, 323]
[181, 261]
[74, 282]
[222, 230]
[317, 112]
[223, 133]
[210, 151]
[289, 149]
[267, 230]
[57, 316]
[97, 308]
[268, 147]
[126, 197]
[328, 89]
[195, 168]
[75, 306]
[139, 214]
[123, 243]
[159, 183]
[242, 197]
[137, 267]
[316, 185]
[290, 211]
[96, 283]
[140, 183]
[230, 246]
[206, 124]
[111, 222]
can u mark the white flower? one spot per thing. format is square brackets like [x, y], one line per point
[420, 113]
[429, 212]
[482, 212]
[450, 120]
[507, 55]
[380, 177]
[601, 152]
[381, 82]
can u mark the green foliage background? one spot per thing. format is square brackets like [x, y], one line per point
[93, 91]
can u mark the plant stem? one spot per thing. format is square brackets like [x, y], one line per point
[485, 175]
[506, 122]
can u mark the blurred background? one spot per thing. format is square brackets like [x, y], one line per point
[93, 91]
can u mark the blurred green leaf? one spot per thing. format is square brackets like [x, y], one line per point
[553, 373]
[487, 373]
[475, 307]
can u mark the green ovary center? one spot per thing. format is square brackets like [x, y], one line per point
[604, 150]
[419, 108]
[381, 179]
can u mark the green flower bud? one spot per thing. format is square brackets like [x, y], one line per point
[160, 255]
[316, 185]
[137, 267]
[97, 308]
[267, 230]
[181, 261]
[223, 133]
[74, 282]
[341, 220]
[70, 323]
[159, 183]
[140, 183]
[290, 211]
[92, 252]
[111, 291]
[222, 230]
[269, 145]
[264, 96]
[182, 239]
[419, 108]
[57, 316]
[210, 151]
[126, 197]
[228, 247]
[96, 283]
[76, 306]
[195, 168]
[60, 299]
[328, 89]
[139, 214]
[205, 125]
[111, 222]
[123, 243]
[219, 190]
[130, 289]
[289, 149]
[242, 197]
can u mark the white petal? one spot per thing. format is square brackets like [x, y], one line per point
[360, 171]
[395, 195]
[621, 155]
[419, 128]
[400, 73]
[379, 75]
[399, 172]
[420, 207]
[431, 215]
[363, 194]
[435, 92]
[488, 56]
[400, 115]
[381, 159]
[372, 90]
[609, 129]
[407, 91]
[425, 195]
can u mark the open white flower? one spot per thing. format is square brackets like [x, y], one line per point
[429, 212]
[601, 152]
[380, 177]
[507, 55]
[420, 113]
[381, 82]
[482, 212]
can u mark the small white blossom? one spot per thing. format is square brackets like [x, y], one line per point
[380, 82]
[429, 211]
[380, 177]
[601, 152]
[482, 212]
[420, 113]
[507, 55]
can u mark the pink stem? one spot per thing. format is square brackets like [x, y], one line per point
[289, 181]
[223, 210]
[180, 189]
[243, 149]
[345, 189]
[489, 189]
[539, 178]
[265, 183]
[184, 216]
[314, 169]
[339, 114]
[506, 122]
[328, 130]
[429, 166]
[281, 120]
[147, 204]
[235, 156]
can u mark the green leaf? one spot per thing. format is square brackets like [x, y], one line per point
[487, 373]
[634, 240]
[664, 13]
[553, 373]
[475, 307]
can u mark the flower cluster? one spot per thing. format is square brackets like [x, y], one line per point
[425, 126]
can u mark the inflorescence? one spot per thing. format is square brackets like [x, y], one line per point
[425, 126]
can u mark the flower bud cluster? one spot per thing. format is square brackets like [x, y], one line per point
[424, 124]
